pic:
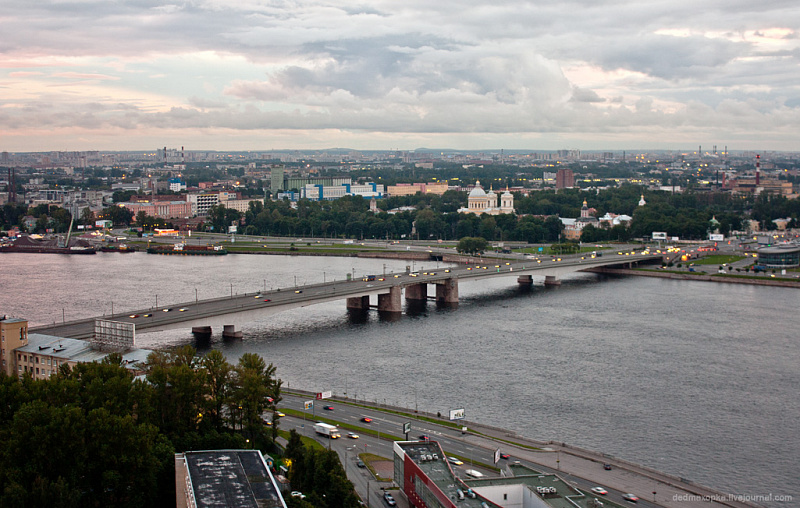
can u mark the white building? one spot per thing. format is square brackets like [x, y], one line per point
[480, 202]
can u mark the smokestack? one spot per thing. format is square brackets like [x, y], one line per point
[183, 156]
[758, 169]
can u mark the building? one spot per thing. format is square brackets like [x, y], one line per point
[565, 179]
[481, 202]
[176, 185]
[13, 335]
[409, 189]
[160, 209]
[331, 192]
[202, 202]
[225, 479]
[276, 179]
[42, 355]
[785, 255]
[427, 479]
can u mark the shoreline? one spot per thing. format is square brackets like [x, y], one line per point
[546, 453]
[775, 282]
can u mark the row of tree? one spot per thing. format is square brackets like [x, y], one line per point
[427, 216]
[96, 436]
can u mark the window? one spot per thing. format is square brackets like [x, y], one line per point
[37, 359]
[37, 370]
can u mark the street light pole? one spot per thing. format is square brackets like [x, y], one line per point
[195, 295]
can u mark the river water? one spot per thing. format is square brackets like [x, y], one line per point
[695, 379]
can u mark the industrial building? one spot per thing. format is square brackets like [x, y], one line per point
[428, 480]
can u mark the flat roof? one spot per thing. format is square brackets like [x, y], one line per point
[77, 350]
[232, 479]
[430, 458]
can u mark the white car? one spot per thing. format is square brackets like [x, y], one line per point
[599, 490]
[455, 461]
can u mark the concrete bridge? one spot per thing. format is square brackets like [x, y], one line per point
[205, 315]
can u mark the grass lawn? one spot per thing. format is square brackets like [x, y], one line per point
[717, 259]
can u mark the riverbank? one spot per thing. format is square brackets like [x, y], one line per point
[561, 458]
[727, 278]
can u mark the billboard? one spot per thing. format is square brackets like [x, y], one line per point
[658, 235]
[113, 335]
[406, 427]
[457, 414]
[714, 237]
[308, 404]
[324, 395]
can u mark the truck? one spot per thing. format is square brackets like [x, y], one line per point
[328, 430]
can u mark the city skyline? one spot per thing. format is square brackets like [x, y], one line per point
[221, 75]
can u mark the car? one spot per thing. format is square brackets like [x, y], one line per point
[270, 400]
[328, 408]
[257, 297]
[281, 415]
[473, 473]
[182, 309]
[299, 494]
[166, 310]
[389, 499]
[133, 316]
[299, 291]
[505, 456]
[455, 461]
[630, 497]
[424, 437]
[446, 270]
[607, 467]
[147, 315]
[361, 464]
[366, 419]
[599, 490]
[381, 279]
[352, 435]
[396, 276]
[267, 300]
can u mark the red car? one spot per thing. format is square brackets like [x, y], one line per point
[366, 419]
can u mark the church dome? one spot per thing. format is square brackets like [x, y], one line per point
[477, 191]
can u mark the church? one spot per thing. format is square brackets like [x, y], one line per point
[480, 202]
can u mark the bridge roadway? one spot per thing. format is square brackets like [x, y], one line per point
[241, 309]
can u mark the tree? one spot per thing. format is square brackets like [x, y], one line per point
[472, 245]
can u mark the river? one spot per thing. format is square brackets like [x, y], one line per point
[695, 379]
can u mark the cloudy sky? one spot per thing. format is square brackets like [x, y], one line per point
[399, 74]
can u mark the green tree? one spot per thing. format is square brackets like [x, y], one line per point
[472, 245]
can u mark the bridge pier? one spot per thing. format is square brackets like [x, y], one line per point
[358, 302]
[525, 280]
[551, 280]
[201, 332]
[391, 301]
[229, 332]
[447, 292]
[417, 292]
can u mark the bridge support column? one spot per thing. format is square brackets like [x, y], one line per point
[447, 292]
[201, 332]
[551, 280]
[229, 332]
[391, 301]
[358, 302]
[417, 292]
[525, 280]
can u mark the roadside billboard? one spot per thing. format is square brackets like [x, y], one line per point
[324, 395]
[457, 414]
[714, 237]
[659, 235]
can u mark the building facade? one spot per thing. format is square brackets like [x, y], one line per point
[481, 202]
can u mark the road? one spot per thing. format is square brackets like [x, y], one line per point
[582, 468]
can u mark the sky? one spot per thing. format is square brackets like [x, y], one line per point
[392, 74]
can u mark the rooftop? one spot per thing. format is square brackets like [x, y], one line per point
[232, 479]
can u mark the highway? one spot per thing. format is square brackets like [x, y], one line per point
[476, 448]
[219, 311]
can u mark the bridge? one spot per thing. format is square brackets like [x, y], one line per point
[203, 315]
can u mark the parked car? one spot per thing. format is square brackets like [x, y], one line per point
[389, 499]
[360, 463]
